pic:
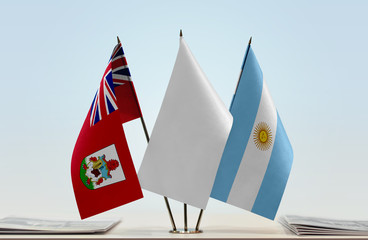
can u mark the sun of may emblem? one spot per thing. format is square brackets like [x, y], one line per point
[262, 136]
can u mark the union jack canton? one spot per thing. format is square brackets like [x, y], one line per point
[117, 73]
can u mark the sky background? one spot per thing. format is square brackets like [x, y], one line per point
[313, 55]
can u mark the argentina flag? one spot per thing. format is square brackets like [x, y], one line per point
[257, 159]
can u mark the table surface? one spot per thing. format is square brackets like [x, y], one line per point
[219, 226]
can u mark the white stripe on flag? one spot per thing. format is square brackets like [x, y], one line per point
[119, 68]
[118, 57]
[98, 110]
[254, 163]
[110, 98]
[120, 77]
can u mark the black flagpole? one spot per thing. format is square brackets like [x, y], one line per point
[148, 138]
[165, 198]
[199, 220]
[185, 218]
[185, 205]
[241, 71]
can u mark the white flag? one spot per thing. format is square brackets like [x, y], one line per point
[188, 138]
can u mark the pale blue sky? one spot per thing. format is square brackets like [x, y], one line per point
[313, 55]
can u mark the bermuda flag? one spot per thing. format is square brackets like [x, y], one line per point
[257, 159]
[102, 169]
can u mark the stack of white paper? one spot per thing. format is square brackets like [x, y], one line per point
[43, 226]
[321, 226]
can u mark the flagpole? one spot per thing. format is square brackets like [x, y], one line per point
[245, 58]
[199, 220]
[185, 218]
[241, 71]
[148, 138]
[185, 205]
[165, 198]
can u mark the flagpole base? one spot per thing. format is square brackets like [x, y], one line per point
[182, 231]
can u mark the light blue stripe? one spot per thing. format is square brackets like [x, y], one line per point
[244, 109]
[276, 176]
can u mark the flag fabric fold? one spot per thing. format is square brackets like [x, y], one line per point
[257, 159]
[188, 138]
[102, 170]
